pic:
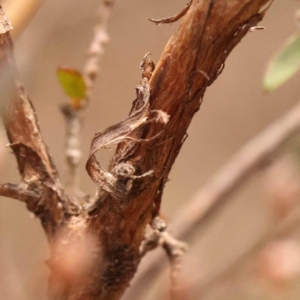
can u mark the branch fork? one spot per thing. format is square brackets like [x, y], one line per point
[148, 142]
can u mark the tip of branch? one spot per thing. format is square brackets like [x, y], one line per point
[156, 22]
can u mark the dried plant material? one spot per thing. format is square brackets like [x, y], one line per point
[173, 19]
[279, 263]
[282, 187]
[119, 133]
[145, 154]
[5, 24]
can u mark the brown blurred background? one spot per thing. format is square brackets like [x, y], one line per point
[234, 110]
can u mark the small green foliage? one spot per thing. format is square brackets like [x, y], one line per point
[284, 64]
[73, 84]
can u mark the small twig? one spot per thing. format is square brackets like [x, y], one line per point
[175, 251]
[72, 148]
[156, 235]
[215, 194]
[14, 191]
[72, 116]
[100, 39]
[153, 235]
[150, 242]
[173, 19]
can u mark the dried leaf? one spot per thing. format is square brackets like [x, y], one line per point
[73, 85]
[284, 64]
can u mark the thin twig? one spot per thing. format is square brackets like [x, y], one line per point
[157, 235]
[175, 251]
[72, 148]
[100, 39]
[215, 194]
[72, 117]
[173, 19]
[14, 191]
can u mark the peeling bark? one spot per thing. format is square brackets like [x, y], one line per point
[191, 61]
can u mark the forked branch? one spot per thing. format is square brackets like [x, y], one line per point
[191, 61]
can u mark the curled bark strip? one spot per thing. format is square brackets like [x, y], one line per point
[173, 19]
[116, 134]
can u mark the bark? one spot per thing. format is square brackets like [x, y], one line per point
[95, 246]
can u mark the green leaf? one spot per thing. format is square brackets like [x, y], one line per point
[72, 83]
[284, 64]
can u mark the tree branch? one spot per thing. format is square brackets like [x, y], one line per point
[100, 39]
[72, 147]
[15, 191]
[192, 60]
[215, 194]
[73, 117]
[35, 165]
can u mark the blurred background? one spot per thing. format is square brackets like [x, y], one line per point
[234, 110]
